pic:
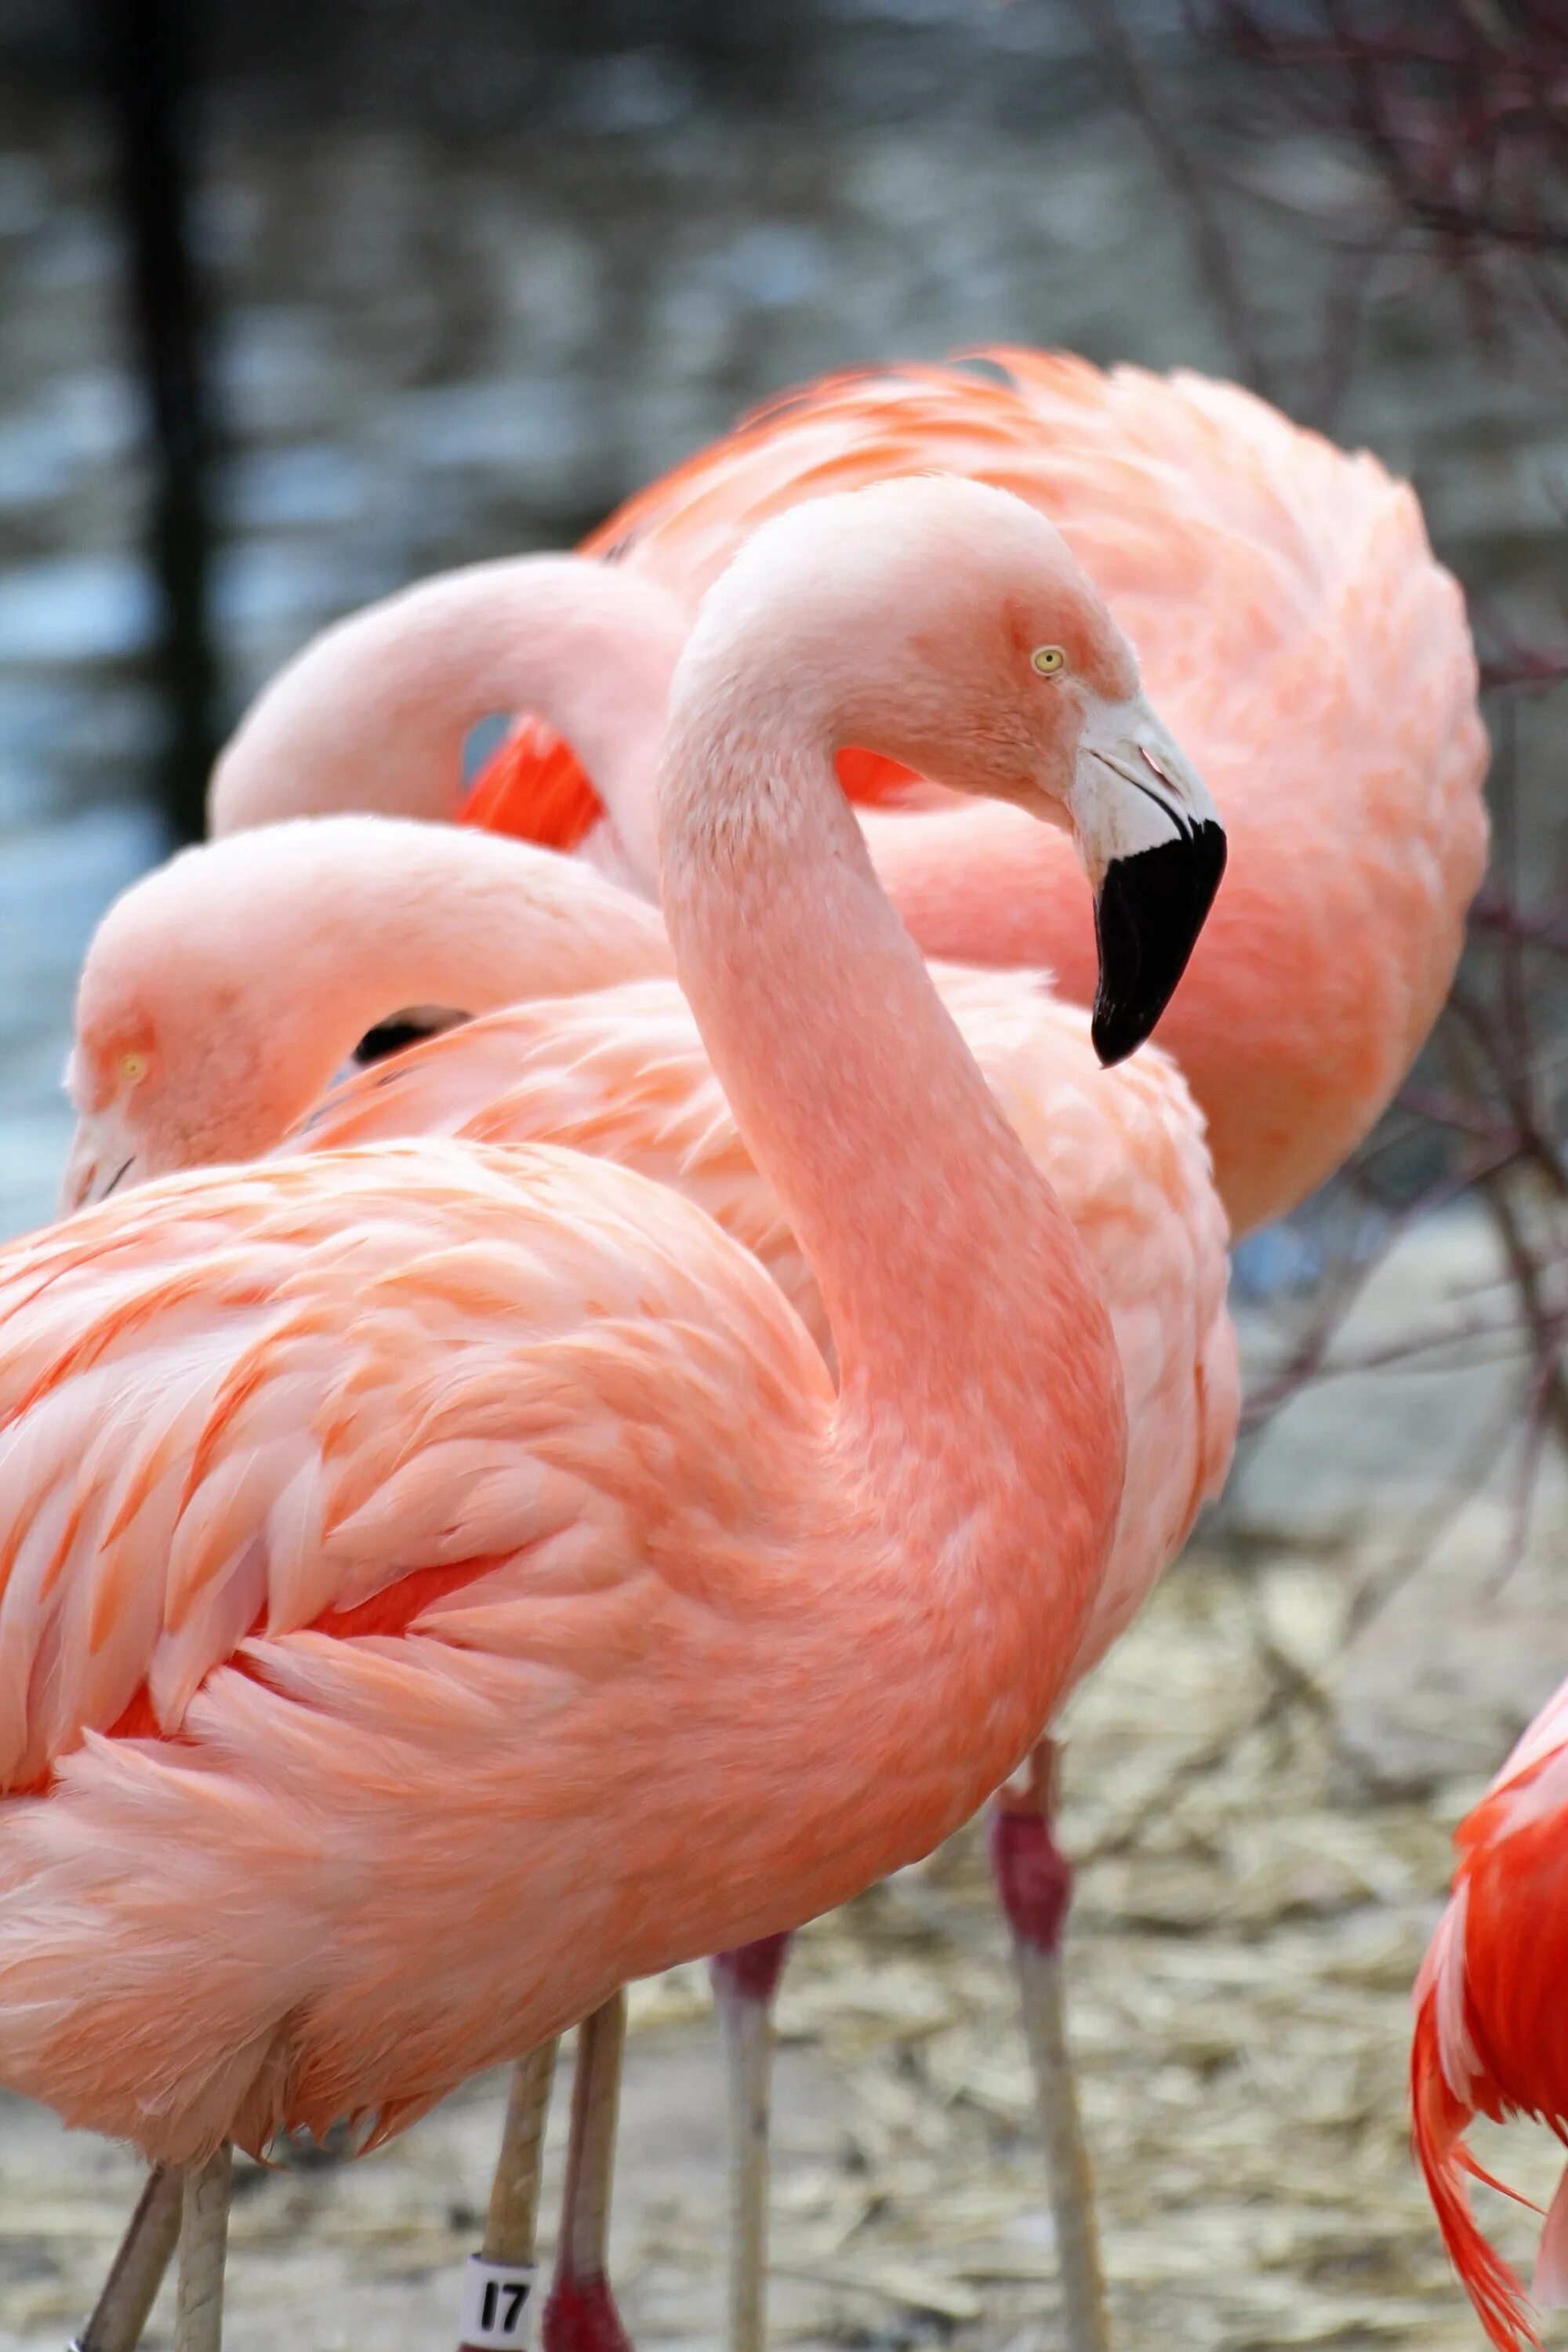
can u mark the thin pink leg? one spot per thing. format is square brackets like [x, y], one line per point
[498, 2294]
[1034, 1882]
[746, 1983]
[580, 2315]
[204, 2246]
[120, 2316]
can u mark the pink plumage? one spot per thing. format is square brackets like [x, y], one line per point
[622, 1072]
[1292, 623]
[442, 1583]
[246, 977]
[236, 1411]
[1489, 2037]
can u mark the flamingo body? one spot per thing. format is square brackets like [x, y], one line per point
[236, 1411]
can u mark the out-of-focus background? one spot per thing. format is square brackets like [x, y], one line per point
[298, 303]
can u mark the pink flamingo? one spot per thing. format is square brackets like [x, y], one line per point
[1489, 2016]
[1295, 632]
[192, 1038]
[705, 1645]
[1290, 622]
[1289, 617]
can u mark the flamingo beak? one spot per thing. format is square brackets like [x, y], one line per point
[1152, 842]
[99, 1161]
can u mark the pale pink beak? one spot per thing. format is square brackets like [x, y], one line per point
[101, 1158]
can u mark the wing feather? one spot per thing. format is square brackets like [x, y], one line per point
[268, 1398]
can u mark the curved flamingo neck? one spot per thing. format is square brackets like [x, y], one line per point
[441, 915]
[374, 713]
[979, 1419]
[365, 916]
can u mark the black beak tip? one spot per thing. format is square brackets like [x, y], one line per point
[1150, 909]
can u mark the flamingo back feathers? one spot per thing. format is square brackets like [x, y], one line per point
[533, 785]
[244, 1407]
[441, 1458]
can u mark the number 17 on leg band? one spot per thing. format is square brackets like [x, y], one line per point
[497, 2306]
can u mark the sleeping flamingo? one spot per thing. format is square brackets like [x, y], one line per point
[429, 1533]
[1288, 612]
[1488, 2015]
[236, 981]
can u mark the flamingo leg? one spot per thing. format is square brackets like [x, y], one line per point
[498, 2290]
[204, 2242]
[746, 1983]
[580, 2315]
[1034, 1882]
[144, 2252]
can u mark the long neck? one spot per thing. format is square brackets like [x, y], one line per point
[434, 915]
[978, 1405]
[374, 713]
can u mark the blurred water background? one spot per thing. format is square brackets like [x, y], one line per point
[477, 271]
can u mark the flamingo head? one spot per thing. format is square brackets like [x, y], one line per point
[947, 626]
[151, 1096]
[194, 1038]
[1054, 718]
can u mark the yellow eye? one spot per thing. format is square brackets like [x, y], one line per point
[133, 1067]
[1048, 659]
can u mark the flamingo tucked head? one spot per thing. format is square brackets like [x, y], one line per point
[168, 1068]
[222, 994]
[1009, 679]
[217, 998]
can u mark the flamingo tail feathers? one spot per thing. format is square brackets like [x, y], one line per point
[1439, 2119]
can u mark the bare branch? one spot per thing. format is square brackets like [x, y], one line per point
[1216, 265]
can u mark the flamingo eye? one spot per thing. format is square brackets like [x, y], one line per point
[1047, 660]
[133, 1067]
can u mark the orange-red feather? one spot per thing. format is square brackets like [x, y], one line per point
[1491, 2027]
